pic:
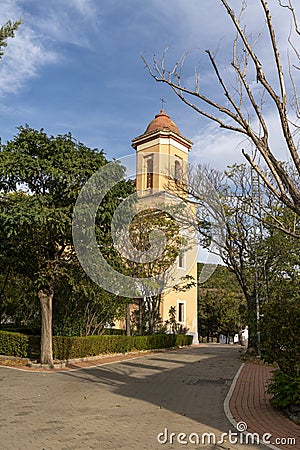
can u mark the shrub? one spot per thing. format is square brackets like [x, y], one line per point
[65, 347]
[183, 339]
[281, 342]
[280, 331]
[285, 390]
[13, 344]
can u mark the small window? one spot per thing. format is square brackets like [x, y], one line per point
[181, 260]
[149, 169]
[181, 317]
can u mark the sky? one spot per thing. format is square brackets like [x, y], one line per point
[75, 66]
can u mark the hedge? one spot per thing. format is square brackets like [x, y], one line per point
[17, 344]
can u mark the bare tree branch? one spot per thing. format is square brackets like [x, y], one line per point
[291, 8]
[234, 114]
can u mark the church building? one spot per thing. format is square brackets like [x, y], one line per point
[162, 154]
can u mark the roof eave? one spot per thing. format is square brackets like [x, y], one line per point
[145, 137]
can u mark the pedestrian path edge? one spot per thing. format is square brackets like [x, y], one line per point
[227, 407]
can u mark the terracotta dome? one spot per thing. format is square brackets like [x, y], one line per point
[162, 122]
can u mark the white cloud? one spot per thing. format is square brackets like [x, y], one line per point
[10, 10]
[219, 147]
[24, 54]
[87, 8]
[53, 22]
[209, 21]
[69, 22]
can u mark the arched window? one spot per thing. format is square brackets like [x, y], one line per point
[177, 171]
[149, 168]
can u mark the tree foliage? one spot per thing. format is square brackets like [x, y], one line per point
[160, 270]
[7, 31]
[281, 312]
[40, 179]
[221, 305]
[281, 340]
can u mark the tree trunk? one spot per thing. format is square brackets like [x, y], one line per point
[153, 308]
[46, 297]
[252, 323]
[128, 319]
[140, 319]
[151, 323]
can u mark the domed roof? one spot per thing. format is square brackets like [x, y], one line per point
[162, 122]
[161, 126]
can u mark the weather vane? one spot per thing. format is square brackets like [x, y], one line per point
[162, 103]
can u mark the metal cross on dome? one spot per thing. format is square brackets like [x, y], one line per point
[162, 102]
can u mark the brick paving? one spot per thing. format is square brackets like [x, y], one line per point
[122, 404]
[250, 403]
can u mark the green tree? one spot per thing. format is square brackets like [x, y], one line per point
[161, 267]
[280, 313]
[221, 305]
[17, 299]
[81, 307]
[280, 323]
[172, 325]
[40, 179]
[281, 340]
[7, 31]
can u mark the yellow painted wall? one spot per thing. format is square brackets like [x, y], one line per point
[165, 151]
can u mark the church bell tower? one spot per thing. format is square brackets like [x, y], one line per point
[162, 155]
[161, 152]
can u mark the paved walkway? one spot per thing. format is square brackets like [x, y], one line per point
[250, 403]
[130, 403]
[122, 404]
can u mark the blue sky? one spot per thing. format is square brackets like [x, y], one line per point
[75, 66]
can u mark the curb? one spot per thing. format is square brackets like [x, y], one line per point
[100, 360]
[228, 397]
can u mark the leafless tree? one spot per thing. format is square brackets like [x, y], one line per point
[221, 200]
[255, 86]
